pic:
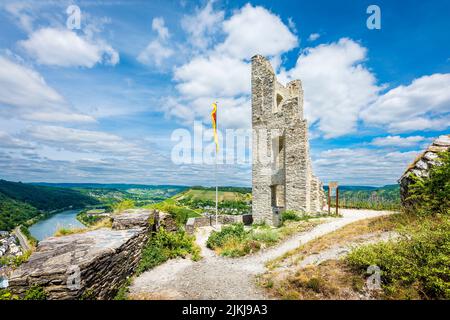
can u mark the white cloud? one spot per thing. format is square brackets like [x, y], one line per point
[9, 142]
[25, 92]
[23, 87]
[223, 74]
[22, 13]
[255, 30]
[213, 76]
[397, 141]
[158, 50]
[155, 53]
[83, 140]
[422, 105]
[350, 166]
[202, 26]
[58, 117]
[337, 86]
[62, 47]
[159, 26]
[313, 37]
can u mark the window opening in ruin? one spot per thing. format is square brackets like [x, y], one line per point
[277, 195]
[279, 101]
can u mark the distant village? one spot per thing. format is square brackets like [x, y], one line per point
[10, 248]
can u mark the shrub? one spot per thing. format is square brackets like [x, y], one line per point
[233, 232]
[290, 215]
[164, 245]
[265, 235]
[418, 265]
[35, 292]
[123, 205]
[180, 214]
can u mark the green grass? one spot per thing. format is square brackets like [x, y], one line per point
[415, 267]
[418, 265]
[180, 213]
[164, 245]
[235, 240]
[194, 194]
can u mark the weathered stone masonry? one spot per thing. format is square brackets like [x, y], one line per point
[421, 166]
[104, 258]
[282, 176]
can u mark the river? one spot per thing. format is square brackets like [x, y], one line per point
[47, 227]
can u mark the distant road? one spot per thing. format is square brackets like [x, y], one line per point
[22, 239]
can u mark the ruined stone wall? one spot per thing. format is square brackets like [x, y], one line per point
[277, 111]
[87, 265]
[421, 165]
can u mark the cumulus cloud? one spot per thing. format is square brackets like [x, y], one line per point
[223, 74]
[254, 30]
[215, 75]
[159, 25]
[422, 105]
[25, 92]
[202, 26]
[397, 141]
[62, 47]
[337, 85]
[155, 53]
[158, 50]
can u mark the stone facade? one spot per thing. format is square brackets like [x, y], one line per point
[421, 166]
[282, 177]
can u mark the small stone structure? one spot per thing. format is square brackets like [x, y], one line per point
[196, 222]
[421, 165]
[280, 133]
[92, 264]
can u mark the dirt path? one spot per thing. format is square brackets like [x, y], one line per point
[225, 278]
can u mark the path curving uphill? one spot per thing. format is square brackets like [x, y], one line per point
[216, 277]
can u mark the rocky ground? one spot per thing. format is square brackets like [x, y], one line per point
[217, 277]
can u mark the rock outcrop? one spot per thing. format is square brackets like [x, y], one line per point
[89, 265]
[132, 218]
[421, 166]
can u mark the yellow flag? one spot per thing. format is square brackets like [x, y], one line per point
[214, 124]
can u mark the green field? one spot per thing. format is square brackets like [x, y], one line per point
[210, 195]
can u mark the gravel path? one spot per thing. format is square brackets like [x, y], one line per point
[226, 278]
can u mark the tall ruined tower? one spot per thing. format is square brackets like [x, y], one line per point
[282, 177]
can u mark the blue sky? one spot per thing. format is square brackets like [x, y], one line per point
[100, 103]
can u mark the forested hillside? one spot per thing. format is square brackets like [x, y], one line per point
[20, 202]
[45, 198]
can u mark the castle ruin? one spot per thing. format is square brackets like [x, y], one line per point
[280, 134]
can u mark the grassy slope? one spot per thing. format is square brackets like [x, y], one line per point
[211, 195]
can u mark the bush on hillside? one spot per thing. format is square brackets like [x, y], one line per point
[164, 245]
[432, 195]
[416, 266]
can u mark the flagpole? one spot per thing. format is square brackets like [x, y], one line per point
[215, 173]
[217, 191]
